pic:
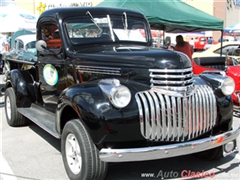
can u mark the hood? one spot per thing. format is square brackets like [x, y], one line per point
[137, 56]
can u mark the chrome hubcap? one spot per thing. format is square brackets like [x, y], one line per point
[73, 153]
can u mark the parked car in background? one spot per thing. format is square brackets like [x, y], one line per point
[228, 38]
[228, 47]
[23, 50]
[228, 63]
[225, 39]
[201, 41]
[207, 46]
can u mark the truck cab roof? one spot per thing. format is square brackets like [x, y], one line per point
[81, 11]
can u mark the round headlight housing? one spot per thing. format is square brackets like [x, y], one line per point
[228, 86]
[120, 96]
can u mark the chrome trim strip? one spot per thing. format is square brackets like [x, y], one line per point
[180, 123]
[171, 70]
[152, 117]
[156, 114]
[185, 118]
[208, 114]
[99, 69]
[146, 113]
[167, 151]
[174, 119]
[197, 114]
[190, 122]
[211, 110]
[140, 108]
[171, 76]
[176, 91]
[169, 118]
[201, 114]
[162, 82]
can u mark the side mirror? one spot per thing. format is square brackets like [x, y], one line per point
[41, 45]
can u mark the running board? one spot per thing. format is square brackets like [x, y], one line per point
[41, 117]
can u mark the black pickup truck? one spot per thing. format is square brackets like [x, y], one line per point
[100, 87]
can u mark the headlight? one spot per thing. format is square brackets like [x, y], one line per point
[227, 86]
[119, 95]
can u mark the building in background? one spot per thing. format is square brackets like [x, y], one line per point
[28, 5]
[33, 6]
[41, 5]
[227, 10]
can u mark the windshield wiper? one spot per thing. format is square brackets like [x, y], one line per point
[125, 23]
[110, 27]
[88, 13]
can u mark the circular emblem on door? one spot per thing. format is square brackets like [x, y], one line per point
[50, 74]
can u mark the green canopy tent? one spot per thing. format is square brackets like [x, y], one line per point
[170, 15]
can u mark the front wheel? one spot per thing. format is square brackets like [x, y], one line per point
[14, 118]
[80, 156]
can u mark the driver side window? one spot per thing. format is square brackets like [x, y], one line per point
[51, 35]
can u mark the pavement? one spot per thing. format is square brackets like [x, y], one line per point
[4, 167]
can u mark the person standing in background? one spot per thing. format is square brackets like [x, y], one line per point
[191, 42]
[210, 40]
[2, 49]
[183, 46]
[220, 39]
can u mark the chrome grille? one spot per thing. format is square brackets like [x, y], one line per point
[170, 118]
[171, 79]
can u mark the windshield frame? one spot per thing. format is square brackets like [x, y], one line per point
[110, 18]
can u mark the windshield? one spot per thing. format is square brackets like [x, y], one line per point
[106, 29]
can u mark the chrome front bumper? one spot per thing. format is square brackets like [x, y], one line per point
[167, 151]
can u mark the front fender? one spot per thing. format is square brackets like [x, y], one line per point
[102, 120]
[22, 83]
[224, 103]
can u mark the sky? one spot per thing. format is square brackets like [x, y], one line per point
[237, 2]
[6, 2]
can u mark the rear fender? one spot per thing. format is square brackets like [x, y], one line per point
[22, 83]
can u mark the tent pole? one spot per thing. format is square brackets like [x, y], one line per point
[163, 36]
[158, 38]
[221, 43]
